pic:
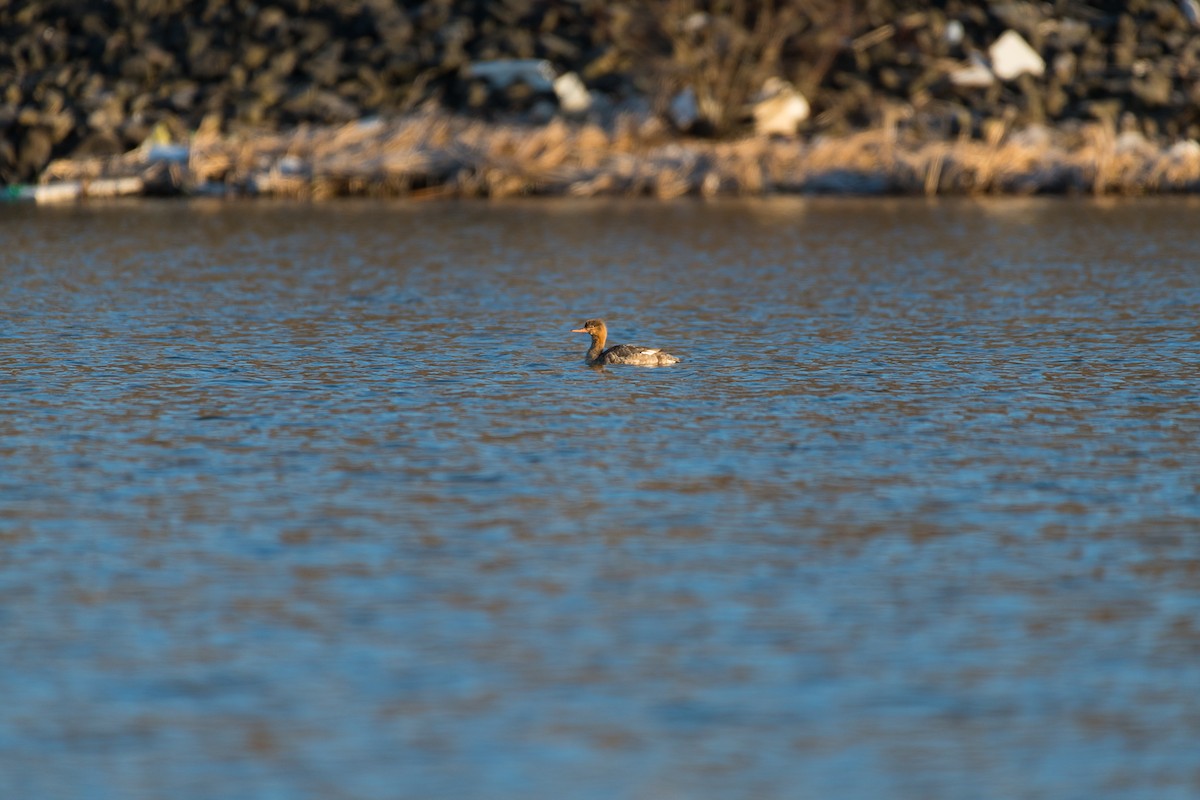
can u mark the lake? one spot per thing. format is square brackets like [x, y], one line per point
[321, 501]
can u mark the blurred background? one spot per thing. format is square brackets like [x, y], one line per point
[97, 78]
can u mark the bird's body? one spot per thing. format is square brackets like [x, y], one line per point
[620, 353]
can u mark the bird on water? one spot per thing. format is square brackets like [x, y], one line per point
[620, 353]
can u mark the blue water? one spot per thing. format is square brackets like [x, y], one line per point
[321, 501]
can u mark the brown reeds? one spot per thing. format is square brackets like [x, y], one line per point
[437, 154]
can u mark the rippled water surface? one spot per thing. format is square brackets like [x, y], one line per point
[321, 501]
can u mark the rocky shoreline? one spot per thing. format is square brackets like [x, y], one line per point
[443, 155]
[317, 98]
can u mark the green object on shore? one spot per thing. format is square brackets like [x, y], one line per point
[17, 191]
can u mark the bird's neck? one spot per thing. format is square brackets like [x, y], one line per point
[597, 347]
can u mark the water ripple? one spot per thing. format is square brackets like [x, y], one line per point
[322, 501]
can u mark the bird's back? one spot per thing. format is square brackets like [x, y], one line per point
[633, 354]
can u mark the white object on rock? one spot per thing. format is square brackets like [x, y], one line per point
[1012, 57]
[684, 111]
[975, 75]
[573, 96]
[954, 33]
[70, 191]
[780, 109]
[696, 22]
[58, 192]
[536, 73]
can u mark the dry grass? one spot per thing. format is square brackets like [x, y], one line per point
[435, 154]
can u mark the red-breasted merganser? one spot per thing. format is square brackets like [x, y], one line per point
[620, 353]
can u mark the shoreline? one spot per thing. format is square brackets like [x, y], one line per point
[441, 154]
[663, 98]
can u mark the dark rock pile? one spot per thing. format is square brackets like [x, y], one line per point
[1132, 65]
[96, 78]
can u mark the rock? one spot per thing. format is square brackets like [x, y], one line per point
[60, 125]
[542, 111]
[270, 22]
[326, 106]
[559, 46]
[1105, 111]
[8, 161]
[34, 153]
[1033, 105]
[684, 111]
[326, 66]
[108, 115]
[519, 95]
[212, 64]
[1153, 87]
[283, 64]
[1056, 100]
[183, 95]
[1069, 34]
[1064, 67]
[99, 144]
[476, 95]
[780, 109]
[255, 55]
[1012, 57]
